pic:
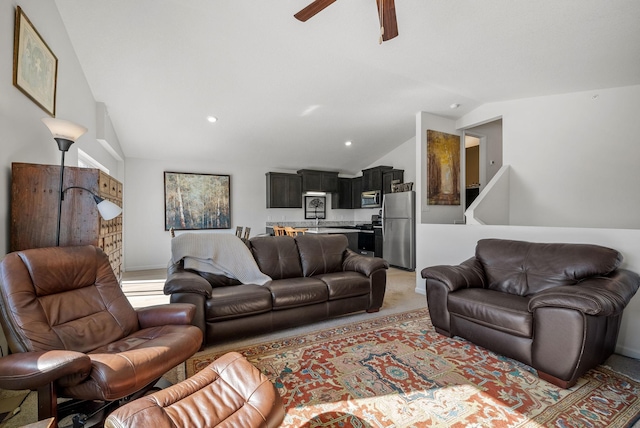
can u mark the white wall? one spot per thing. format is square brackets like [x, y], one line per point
[573, 163]
[147, 244]
[23, 137]
[573, 158]
[434, 213]
[402, 157]
[490, 149]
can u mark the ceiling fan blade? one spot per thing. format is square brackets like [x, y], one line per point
[313, 9]
[388, 22]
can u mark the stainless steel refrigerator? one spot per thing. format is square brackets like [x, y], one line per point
[399, 229]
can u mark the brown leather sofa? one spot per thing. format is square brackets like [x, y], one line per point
[555, 307]
[314, 277]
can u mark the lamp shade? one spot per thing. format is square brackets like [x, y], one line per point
[108, 209]
[65, 129]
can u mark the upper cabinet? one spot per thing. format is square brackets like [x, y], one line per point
[372, 178]
[356, 192]
[319, 181]
[284, 190]
[342, 199]
[388, 177]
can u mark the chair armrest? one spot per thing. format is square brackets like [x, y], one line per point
[604, 296]
[32, 370]
[468, 274]
[171, 314]
[364, 265]
[184, 281]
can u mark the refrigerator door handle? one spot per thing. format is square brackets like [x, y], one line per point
[384, 220]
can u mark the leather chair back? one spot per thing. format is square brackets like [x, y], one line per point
[62, 298]
[277, 257]
[321, 254]
[526, 268]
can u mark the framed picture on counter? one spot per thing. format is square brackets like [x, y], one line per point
[196, 201]
[315, 207]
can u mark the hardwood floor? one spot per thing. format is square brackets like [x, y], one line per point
[144, 287]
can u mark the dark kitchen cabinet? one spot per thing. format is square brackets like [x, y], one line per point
[284, 190]
[342, 199]
[372, 178]
[388, 177]
[356, 192]
[319, 181]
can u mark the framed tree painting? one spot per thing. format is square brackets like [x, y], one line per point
[443, 168]
[35, 67]
[196, 201]
[315, 207]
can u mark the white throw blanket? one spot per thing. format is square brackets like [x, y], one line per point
[218, 253]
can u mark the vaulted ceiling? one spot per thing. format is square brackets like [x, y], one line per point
[288, 94]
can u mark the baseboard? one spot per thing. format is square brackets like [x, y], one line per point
[628, 352]
[149, 267]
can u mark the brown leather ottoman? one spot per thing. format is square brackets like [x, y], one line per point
[229, 392]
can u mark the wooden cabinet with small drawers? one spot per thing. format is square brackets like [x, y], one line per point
[34, 210]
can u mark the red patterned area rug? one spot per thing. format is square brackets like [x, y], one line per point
[396, 371]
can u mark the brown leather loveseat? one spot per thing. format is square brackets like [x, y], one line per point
[555, 307]
[313, 278]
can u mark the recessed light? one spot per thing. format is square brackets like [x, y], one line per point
[347, 143]
[454, 106]
[212, 119]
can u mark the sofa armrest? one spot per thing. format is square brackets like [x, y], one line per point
[32, 370]
[180, 280]
[171, 314]
[603, 296]
[198, 301]
[364, 265]
[468, 274]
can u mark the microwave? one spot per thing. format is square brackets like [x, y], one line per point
[371, 199]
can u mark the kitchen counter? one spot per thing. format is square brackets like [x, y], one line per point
[328, 230]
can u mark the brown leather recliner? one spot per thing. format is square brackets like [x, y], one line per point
[73, 333]
[555, 307]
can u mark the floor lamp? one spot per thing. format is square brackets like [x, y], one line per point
[66, 133]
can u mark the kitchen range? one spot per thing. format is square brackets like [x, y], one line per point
[370, 238]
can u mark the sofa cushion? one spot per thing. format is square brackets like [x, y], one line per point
[294, 292]
[321, 253]
[526, 268]
[237, 301]
[500, 311]
[217, 280]
[345, 284]
[277, 256]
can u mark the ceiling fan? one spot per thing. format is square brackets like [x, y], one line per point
[386, 15]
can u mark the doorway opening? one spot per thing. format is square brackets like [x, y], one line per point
[472, 168]
[486, 139]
